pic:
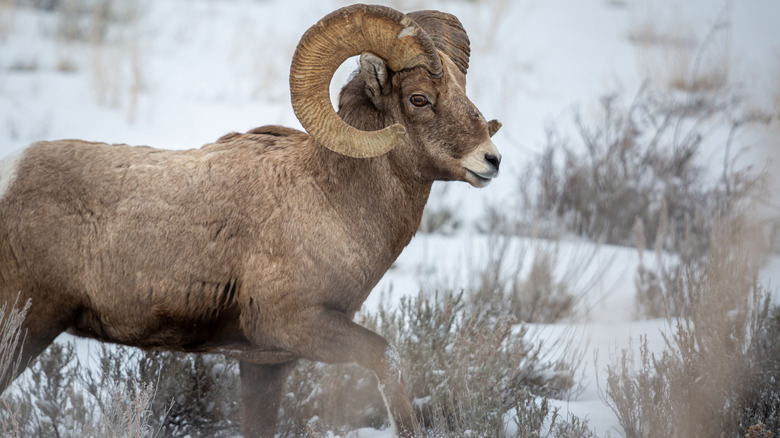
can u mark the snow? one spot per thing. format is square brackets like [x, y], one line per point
[184, 72]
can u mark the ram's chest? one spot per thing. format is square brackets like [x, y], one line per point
[319, 258]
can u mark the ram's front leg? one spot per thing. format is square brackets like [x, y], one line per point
[391, 385]
[331, 337]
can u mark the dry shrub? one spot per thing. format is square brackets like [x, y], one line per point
[633, 162]
[757, 431]
[551, 288]
[659, 289]
[198, 395]
[117, 56]
[442, 213]
[442, 220]
[718, 372]
[90, 21]
[126, 410]
[465, 368]
[46, 402]
[110, 29]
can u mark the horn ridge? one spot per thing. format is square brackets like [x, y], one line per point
[347, 32]
[448, 35]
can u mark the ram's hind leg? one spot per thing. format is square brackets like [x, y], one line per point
[261, 394]
[36, 332]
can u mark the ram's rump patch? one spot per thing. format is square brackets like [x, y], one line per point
[8, 166]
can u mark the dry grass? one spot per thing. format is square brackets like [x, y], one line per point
[10, 334]
[11, 319]
[671, 54]
[653, 24]
[687, 69]
[101, 34]
[126, 410]
[110, 30]
[117, 55]
[718, 371]
[774, 87]
[7, 17]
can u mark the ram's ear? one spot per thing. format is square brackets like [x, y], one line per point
[376, 75]
[493, 127]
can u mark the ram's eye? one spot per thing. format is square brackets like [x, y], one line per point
[418, 100]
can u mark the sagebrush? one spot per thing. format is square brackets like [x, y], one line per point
[465, 371]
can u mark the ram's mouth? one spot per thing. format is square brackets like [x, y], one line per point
[480, 179]
[481, 165]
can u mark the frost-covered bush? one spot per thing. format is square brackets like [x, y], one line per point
[128, 394]
[197, 394]
[44, 406]
[59, 399]
[464, 371]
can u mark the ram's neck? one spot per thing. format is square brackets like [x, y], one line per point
[397, 197]
[383, 207]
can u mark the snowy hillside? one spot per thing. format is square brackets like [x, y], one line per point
[180, 73]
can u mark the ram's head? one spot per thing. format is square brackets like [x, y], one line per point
[413, 72]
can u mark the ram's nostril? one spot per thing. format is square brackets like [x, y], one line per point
[495, 161]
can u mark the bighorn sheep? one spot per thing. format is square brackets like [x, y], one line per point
[262, 245]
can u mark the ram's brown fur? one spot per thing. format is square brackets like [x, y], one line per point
[261, 245]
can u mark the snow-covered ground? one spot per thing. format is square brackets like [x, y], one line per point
[180, 73]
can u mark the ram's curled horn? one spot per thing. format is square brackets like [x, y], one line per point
[448, 35]
[347, 32]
